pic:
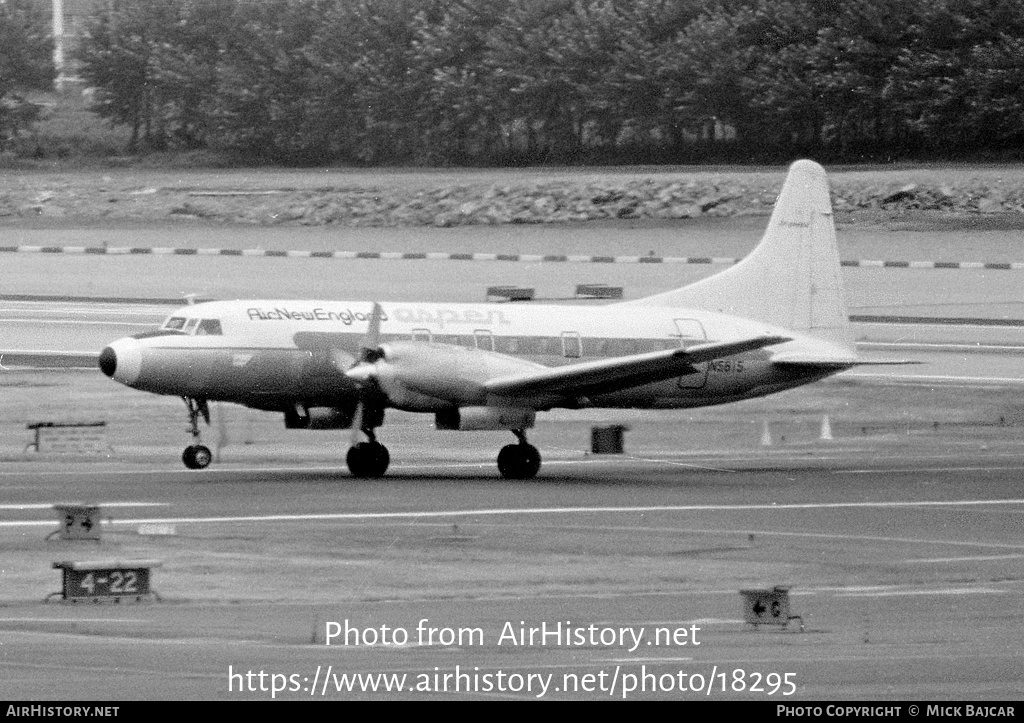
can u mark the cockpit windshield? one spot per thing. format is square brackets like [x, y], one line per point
[209, 326]
[197, 327]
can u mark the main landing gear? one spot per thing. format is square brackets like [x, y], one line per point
[196, 455]
[368, 459]
[519, 461]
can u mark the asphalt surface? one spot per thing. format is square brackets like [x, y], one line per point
[903, 565]
[897, 532]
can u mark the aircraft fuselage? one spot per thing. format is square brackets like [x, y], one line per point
[272, 354]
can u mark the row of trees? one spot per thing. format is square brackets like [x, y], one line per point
[26, 63]
[486, 81]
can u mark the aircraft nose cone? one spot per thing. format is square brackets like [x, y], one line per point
[122, 361]
[108, 361]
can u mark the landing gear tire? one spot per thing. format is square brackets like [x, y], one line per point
[368, 459]
[197, 456]
[518, 461]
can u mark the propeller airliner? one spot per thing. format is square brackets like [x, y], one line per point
[774, 321]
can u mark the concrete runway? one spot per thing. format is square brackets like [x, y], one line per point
[904, 560]
[899, 537]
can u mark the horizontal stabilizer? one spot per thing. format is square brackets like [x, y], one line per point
[841, 363]
[886, 362]
[610, 375]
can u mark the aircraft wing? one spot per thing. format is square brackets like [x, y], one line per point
[604, 376]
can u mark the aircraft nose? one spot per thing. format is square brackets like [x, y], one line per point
[108, 361]
[122, 361]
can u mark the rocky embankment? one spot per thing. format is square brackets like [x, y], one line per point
[663, 196]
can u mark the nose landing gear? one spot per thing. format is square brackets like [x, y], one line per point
[371, 458]
[196, 455]
[519, 461]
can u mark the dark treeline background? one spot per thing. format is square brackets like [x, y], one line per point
[562, 81]
[26, 64]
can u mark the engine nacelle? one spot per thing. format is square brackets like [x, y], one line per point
[481, 418]
[425, 377]
[301, 417]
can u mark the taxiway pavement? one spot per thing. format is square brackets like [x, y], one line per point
[898, 533]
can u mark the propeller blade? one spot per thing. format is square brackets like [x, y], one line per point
[368, 350]
[357, 425]
[364, 371]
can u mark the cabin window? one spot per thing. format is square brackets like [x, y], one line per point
[209, 326]
[175, 322]
[190, 326]
[572, 346]
[420, 335]
[484, 339]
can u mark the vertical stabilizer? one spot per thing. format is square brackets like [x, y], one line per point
[792, 278]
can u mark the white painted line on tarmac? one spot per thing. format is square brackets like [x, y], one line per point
[644, 660]
[544, 511]
[937, 346]
[74, 620]
[670, 623]
[949, 591]
[983, 558]
[905, 470]
[50, 505]
[689, 465]
[75, 322]
[65, 311]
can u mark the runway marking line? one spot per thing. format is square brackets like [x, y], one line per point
[981, 558]
[644, 660]
[948, 591]
[926, 469]
[77, 322]
[49, 506]
[542, 511]
[72, 620]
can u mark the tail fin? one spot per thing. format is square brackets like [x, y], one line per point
[792, 278]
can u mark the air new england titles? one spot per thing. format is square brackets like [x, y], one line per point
[519, 633]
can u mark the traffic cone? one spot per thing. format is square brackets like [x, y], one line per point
[826, 429]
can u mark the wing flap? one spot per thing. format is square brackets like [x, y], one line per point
[604, 376]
